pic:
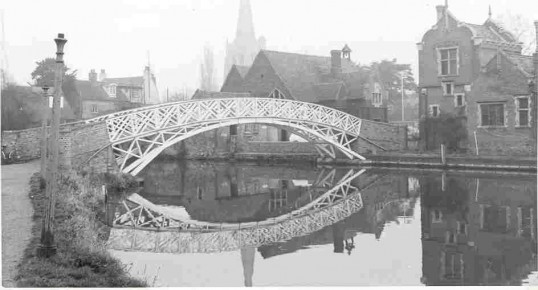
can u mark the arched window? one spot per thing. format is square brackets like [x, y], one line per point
[276, 94]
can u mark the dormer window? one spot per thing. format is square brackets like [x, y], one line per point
[111, 90]
[276, 94]
[447, 61]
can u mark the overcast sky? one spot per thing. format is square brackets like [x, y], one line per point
[116, 35]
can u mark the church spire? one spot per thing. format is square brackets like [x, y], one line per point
[489, 12]
[245, 25]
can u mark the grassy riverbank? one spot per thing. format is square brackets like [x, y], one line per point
[80, 235]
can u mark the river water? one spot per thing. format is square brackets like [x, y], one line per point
[224, 224]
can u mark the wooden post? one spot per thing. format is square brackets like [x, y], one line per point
[44, 132]
[443, 157]
[476, 143]
[47, 247]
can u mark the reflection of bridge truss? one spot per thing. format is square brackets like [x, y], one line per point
[137, 136]
[176, 235]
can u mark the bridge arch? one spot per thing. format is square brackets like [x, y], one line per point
[138, 136]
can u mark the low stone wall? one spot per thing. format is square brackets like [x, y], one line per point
[382, 137]
[78, 142]
[502, 142]
[27, 143]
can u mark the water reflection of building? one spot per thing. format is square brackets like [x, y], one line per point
[478, 230]
[385, 199]
[232, 192]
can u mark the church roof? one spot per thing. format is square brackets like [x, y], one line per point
[328, 91]
[242, 70]
[301, 72]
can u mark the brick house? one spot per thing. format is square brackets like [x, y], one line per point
[333, 81]
[477, 72]
[100, 95]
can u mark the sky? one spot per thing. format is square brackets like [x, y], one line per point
[118, 36]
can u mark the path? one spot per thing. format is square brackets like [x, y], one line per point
[16, 216]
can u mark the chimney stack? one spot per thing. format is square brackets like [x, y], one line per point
[440, 11]
[92, 76]
[102, 75]
[336, 62]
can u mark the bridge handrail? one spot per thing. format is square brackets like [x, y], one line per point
[148, 108]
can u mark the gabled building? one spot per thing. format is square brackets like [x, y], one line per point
[100, 95]
[477, 72]
[333, 81]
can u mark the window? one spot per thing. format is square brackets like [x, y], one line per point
[491, 114]
[94, 109]
[522, 112]
[376, 99]
[459, 100]
[448, 61]
[434, 110]
[452, 265]
[111, 90]
[448, 88]
[462, 228]
[135, 94]
[450, 238]
[437, 216]
[276, 94]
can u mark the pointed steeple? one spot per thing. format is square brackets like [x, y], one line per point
[245, 25]
[489, 12]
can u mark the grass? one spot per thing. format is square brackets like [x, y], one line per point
[80, 236]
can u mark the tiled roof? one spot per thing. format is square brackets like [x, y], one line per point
[127, 81]
[200, 94]
[242, 70]
[300, 72]
[328, 91]
[484, 32]
[87, 91]
[523, 62]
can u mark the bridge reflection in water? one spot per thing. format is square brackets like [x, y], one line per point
[468, 231]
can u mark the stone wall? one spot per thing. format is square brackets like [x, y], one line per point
[77, 143]
[26, 143]
[388, 136]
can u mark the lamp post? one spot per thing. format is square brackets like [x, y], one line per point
[47, 247]
[44, 132]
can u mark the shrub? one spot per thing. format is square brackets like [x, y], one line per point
[446, 129]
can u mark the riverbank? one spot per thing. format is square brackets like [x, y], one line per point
[407, 160]
[80, 234]
[394, 159]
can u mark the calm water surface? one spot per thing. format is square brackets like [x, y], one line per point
[218, 224]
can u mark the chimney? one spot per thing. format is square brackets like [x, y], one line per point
[92, 76]
[336, 62]
[440, 11]
[102, 75]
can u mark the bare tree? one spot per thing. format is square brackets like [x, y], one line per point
[207, 67]
[521, 27]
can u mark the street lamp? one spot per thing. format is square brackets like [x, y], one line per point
[44, 131]
[47, 247]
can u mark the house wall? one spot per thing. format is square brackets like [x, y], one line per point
[469, 64]
[103, 108]
[499, 85]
